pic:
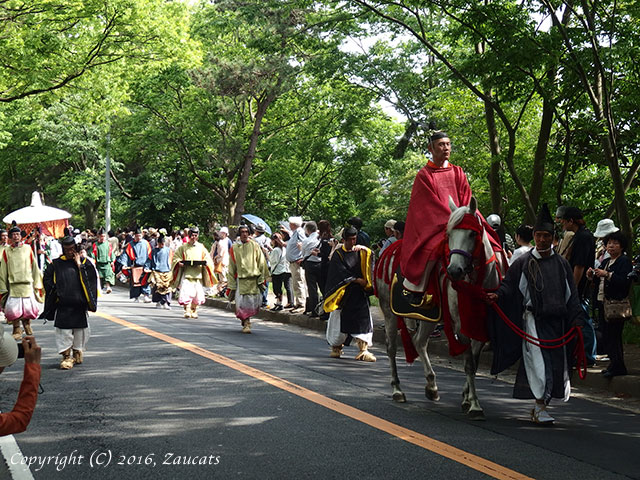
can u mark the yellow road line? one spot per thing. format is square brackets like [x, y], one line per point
[472, 461]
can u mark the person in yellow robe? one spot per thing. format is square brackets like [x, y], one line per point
[21, 288]
[192, 269]
[247, 277]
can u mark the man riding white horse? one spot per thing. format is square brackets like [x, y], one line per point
[428, 216]
[470, 267]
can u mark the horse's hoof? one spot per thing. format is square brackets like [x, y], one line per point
[465, 407]
[432, 394]
[399, 397]
[476, 415]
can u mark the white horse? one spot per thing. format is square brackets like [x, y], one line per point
[469, 257]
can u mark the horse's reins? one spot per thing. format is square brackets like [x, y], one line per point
[573, 333]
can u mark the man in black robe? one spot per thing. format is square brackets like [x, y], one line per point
[349, 285]
[71, 286]
[538, 295]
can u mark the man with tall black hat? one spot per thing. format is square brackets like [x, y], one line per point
[136, 264]
[21, 291]
[71, 284]
[539, 295]
[427, 218]
[103, 253]
[192, 269]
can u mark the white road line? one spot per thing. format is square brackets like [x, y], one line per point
[10, 450]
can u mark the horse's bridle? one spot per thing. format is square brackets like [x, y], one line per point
[469, 222]
[466, 255]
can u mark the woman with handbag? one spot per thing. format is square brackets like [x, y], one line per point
[614, 308]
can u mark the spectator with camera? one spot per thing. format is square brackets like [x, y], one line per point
[16, 420]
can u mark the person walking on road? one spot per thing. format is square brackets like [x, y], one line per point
[21, 290]
[539, 295]
[192, 273]
[161, 277]
[136, 264]
[248, 273]
[71, 285]
[349, 285]
[104, 255]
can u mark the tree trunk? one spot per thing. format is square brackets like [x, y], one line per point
[89, 215]
[494, 170]
[540, 157]
[250, 155]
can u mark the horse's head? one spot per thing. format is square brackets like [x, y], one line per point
[464, 239]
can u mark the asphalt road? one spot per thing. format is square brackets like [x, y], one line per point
[219, 404]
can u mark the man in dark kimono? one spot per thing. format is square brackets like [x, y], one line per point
[349, 285]
[71, 286]
[539, 295]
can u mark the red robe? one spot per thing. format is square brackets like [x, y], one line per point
[428, 216]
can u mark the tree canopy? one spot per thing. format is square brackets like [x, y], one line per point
[214, 109]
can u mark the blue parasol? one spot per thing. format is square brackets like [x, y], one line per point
[255, 220]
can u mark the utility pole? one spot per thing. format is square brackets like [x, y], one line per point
[107, 188]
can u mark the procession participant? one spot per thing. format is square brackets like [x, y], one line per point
[539, 295]
[21, 291]
[54, 249]
[428, 216]
[16, 420]
[349, 285]
[4, 243]
[221, 259]
[36, 243]
[4, 239]
[248, 273]
[71, 285]
[136, 264]
[192, 269]
[153, 237]
[294, 257]
[161, 277]
[104, 255]
[114, 242]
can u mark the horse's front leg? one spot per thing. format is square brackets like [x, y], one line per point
[421, 341]
[470, 403]
[391, 336]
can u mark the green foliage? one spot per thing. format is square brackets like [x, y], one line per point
[273, 108]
